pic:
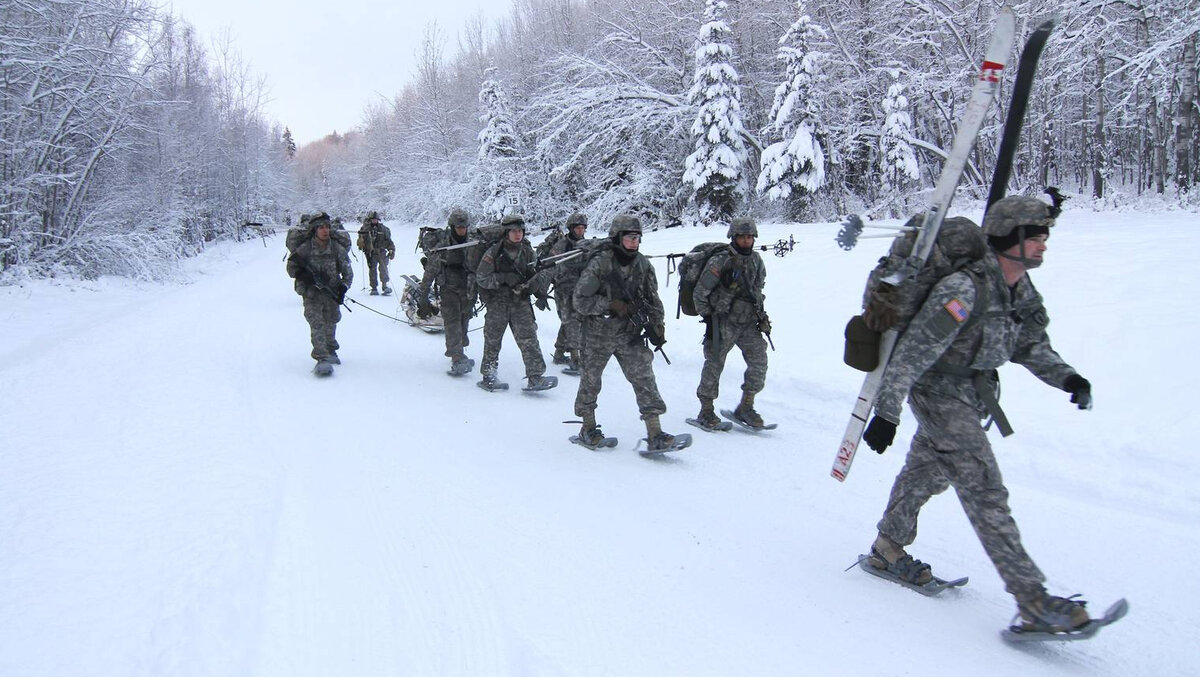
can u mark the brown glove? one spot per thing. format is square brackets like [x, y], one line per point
[618, 308]
[881, 313]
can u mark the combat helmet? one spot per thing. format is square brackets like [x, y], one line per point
[319, 219]
[1012, 220]
[511, 221]
[742, 226]
[624, 223]
[576, 219]
[457, 218]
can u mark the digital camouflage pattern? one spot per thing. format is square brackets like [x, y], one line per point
[506, 279]
[566, 274]
[330, 267]
[951, 447]
[375, 241]
[450, 271]
[729, 294]
[604, 336]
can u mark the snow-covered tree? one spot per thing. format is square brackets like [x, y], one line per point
[498, 150]
[714, 169]
[289, 143]
[899, 168]
[796, 162]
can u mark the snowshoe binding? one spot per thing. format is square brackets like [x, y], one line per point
[387, 291]
[560, 358]
[323, 368]
[593, 438]
[491, 384]
[461, 366]
[748, 419]
[538, 383]
[663, 443]
[710, 422]
[889, 561]
[1047, 618]
[572, 368]
[374, 292]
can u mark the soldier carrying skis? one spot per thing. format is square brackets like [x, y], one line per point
[375, 242]
[729, 298]
[945, 362]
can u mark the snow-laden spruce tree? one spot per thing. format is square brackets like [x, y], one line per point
[899, 170]
[498, 151]
[714, 169]
[794, 165]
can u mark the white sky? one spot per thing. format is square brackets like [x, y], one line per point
[324, 62]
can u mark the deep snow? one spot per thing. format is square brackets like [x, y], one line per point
[180, 496]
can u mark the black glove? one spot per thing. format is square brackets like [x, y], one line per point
[764, 324]
[656, 334]
[618, 308]
[1080, 389]
[305, 276]
[542, 303]
[879, 434]
[339, 292]
[424, 309]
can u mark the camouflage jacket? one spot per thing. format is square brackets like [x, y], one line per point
[507, 272]
[567, 273]
[329, 265]
[595, 289]
[1011, 328]
[376, 240]
[731, 287]
[450, 268]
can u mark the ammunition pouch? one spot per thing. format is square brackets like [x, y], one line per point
[862, 345]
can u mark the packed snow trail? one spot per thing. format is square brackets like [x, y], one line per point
[180, 496]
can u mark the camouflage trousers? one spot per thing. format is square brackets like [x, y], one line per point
[502, 314]
[322, 313]
[636, 361]
[750, 340]
[377, 270]
[570, 326]
[952, 449]
[456, 308]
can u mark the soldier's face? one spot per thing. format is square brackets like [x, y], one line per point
[578, 229]
[323, 233]
[460, 230]
[515, 235]
[631, 241]
[1035, 248]
[744, 241]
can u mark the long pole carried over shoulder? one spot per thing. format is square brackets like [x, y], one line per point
[977, 109]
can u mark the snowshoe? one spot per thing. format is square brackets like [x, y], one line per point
[572, 368]
[560, 358]
[323, 368]
[593, 439]
[461, 366]
[906, 571]
[537, 383]
[1027, 631]
[374, 292]
[708, 421]
[747, 423]
[387, 291]
[490, 384]
[663, 443]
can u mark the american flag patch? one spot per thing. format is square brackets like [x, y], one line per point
[957, 310]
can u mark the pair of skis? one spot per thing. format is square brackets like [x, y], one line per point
[980, 102]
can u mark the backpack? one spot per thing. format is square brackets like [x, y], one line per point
[298, 235]
[960, 244]
[488, 235]
[689, 269]
[427, 238]
[543, 248]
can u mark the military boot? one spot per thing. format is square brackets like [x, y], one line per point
[1040, 612]
[745, 411]
[374, 292]
[888, 556]
[707, 418]
[656, 439]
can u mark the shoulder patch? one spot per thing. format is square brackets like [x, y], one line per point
[957, 310]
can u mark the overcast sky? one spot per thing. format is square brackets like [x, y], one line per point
[326, 60]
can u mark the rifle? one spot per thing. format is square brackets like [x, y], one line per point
[639, 311]
[780, 248]
[321, 283]
[463, 245]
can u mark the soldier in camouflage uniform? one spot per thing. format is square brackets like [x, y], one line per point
[566, 274]
[456, 282]
[375, 241]
[972, 322]
[507, 275]
[616, 271]
[321, 267]
[729, 298]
